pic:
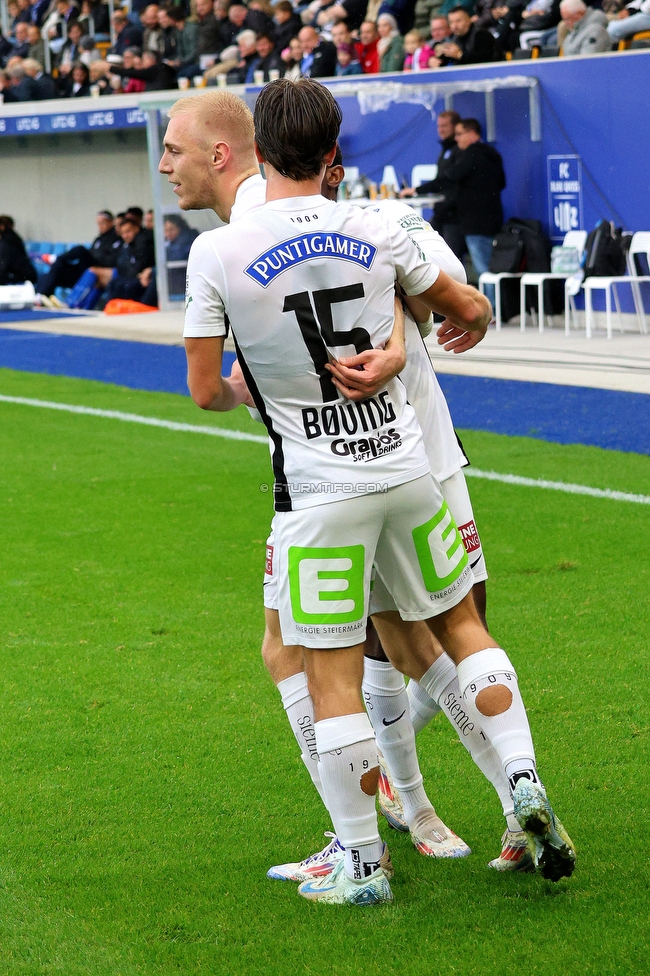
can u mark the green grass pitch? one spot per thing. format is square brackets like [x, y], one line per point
[147, 775]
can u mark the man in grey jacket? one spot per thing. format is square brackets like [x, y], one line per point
[587, 29]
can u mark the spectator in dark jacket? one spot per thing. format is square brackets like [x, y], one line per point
[15, 266]
[156, 75]
[22, 88]
[46, 86]
[287, 24]
[468, 43]
[135, 259]
[77, 83]
[187, 36]
[128, 35]
[478, 174]
[319, 56]
[246, 43]
[445, 213]
[267, 59]
[21, 41]
[68, 268]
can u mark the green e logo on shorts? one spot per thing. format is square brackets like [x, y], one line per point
[326, 585]
[440, 550]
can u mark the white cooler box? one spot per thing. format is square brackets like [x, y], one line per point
[15, 297]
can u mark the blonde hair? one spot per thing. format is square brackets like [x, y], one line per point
[219, 115]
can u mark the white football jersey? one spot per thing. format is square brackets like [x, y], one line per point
[422, 387]
[299, 281]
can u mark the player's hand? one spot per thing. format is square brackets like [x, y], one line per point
[457, 340]
[361, 376]
[238, 386]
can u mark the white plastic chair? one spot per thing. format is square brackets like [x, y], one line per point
[495, 278]
[536, 279]
[640, 245]
[422, 173]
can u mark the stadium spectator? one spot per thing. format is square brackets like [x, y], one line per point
[468, 43]
[128, 35]
[148, 221]
[36, 45]
[151, 29]
[477, 172]
[95, 19]
[587, 29]
[21, 88]
[538, 17]
[15, 266]
[186, 40]
[156, 74]
[341, 35]
[71, 50]
[267, 58]
[77, 82]
[209, 43]
[423, 13]
[445, 215]
[287, 24]
[353, 12]
[46, 86]
[368, 53]
[53, 28]
[89, 52]
[319, 56]
[134, 257]
[68, 268]
[348, 62]
[633, 19]
[240, 18]
[24, 15]
[417, 53]
[503, 19]
[132, 59]
[179, 237]
[100, 76]
[246, 46]
[292, 59]
[21, 40]
[390, 45]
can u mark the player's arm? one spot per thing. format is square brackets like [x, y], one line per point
[208, 388]
[467, 312]
[363, 375]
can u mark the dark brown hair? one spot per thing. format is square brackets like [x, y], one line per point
[471, 125]
[296, 124]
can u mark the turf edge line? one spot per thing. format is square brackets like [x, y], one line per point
[240, 435]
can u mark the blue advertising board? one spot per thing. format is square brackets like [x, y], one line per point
[98, 119]
[564, 195]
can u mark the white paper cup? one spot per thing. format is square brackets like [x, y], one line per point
[94, 91]
[198, 81]
[274, 74]
[183, 83]
[222, 81]
[258, 77]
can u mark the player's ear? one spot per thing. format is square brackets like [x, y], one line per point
[220, 154]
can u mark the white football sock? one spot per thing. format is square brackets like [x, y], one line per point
[508, 732]
[348, 767]
[300, 712]
[422, 707]
[388, 708]
[440, 683]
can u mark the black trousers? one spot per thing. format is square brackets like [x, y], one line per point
[66, 270]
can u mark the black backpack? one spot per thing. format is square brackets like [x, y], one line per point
[520, 245]
[604, 251]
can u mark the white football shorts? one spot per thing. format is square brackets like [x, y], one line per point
[323, 560]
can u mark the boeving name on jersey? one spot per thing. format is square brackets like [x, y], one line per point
[290, 253]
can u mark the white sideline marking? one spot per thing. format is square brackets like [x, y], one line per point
[515, 479]
[240, 435]
[134, 418]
